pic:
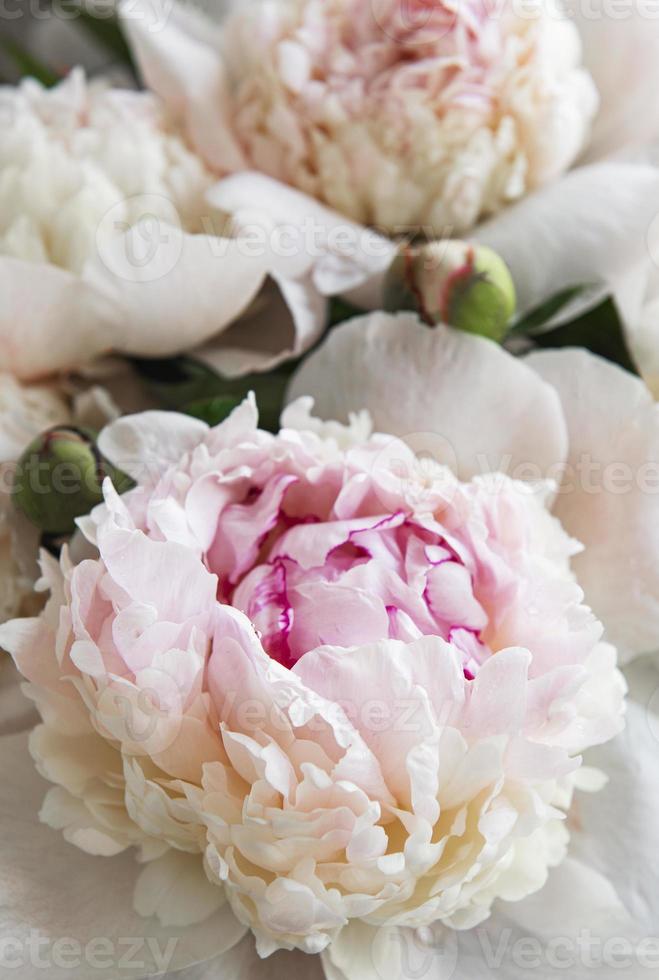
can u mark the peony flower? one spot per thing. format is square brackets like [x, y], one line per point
[565, 415]
[349, 692]
[101, 194]
[456, 119]
[425, 115]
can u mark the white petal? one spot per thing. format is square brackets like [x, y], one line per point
[150, 442]
[362, 952]
[552, 933]
[174, 47]
[47, 328]
[619, 827]
[456, 396]
[49, 887]
[306, 236]
[621, 51]
[175, 889]
[587, 228]
[610, 497]
[286, 319]
[180, 292]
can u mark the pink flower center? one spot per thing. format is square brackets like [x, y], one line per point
[312, 581]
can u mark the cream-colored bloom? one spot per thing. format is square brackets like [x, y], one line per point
[69, 160]
[409, 115]
[104, 201]
[359, 696]
[338, 106]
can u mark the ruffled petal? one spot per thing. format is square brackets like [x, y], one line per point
[150, 441]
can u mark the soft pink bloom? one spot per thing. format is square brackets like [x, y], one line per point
[563, 415]
[360, 690]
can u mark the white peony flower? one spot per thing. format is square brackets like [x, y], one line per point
[101, 197]
[407, 116]
[336, 103]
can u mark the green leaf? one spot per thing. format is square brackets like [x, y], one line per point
[213, 410]
[103, 28]
[340, 310]
[600, 331]
[184, 384]
[547, 311]
[177, 381]
[29, 65]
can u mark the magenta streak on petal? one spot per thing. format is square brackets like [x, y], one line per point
[270, 594]
[225, 590]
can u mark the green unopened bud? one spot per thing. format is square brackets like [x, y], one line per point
[59, 477]
[462, 285]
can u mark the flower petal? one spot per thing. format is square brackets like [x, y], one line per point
[610, 497]
[174, 47]
[621, 52]
[175, 889]
[587, 228]
[287, 318]
[619, 826]
[185, 290]
[457, 396]
[16, 713]
[58, 891]
[343, 256]
[30, 318]
[243, 963]
[150, 441]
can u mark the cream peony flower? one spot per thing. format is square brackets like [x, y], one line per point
[407, 116]
[100, 193]
[89, 150]
[337, 115]
[359, 693]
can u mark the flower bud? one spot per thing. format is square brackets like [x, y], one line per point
[452, 282]
[60, 476]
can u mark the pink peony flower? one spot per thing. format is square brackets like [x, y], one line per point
[351, 692]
